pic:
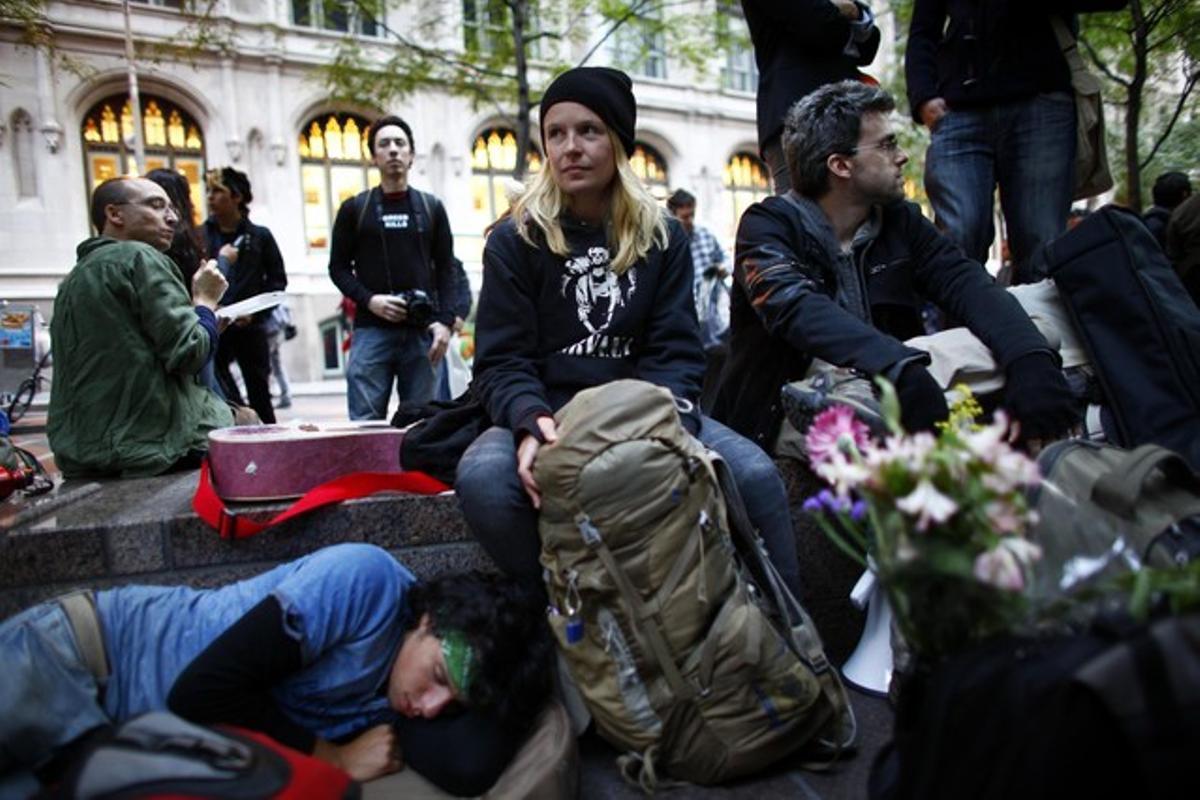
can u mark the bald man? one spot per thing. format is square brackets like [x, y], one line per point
[129, 341]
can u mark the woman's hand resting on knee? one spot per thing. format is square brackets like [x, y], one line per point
[527, 452]
[372, 754]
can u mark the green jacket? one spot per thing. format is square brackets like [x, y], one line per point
[125, 399]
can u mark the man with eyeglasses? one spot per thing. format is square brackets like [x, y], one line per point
[129, 342]
[838, 269]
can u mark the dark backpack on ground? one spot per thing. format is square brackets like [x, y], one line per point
[686, 647]
[1113, 712]
[161, 755]
[1093, 494]
[1139, 325]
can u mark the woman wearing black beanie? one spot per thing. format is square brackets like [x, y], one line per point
[588, 281]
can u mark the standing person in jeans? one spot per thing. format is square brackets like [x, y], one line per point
[586, 282]
[799, 46]
[393, 255]
[989, 81]
[253, 265]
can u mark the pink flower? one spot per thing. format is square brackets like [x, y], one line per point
[834, 431]
[998, 567]
[1004, 565]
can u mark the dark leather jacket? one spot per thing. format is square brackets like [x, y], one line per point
[796, 296]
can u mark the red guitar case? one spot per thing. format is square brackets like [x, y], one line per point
[276, 462]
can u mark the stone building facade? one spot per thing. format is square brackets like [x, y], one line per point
[259, 105]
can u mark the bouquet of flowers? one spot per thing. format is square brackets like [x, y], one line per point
[941, 519]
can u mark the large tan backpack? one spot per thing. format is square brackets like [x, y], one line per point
[687, 648]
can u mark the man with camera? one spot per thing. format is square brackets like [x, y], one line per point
[393, 255]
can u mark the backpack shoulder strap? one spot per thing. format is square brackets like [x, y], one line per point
[362, 202]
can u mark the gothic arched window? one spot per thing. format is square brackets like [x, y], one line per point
[651, 167]
[335, 165]
[747, 181]
[171, 137]
[493, 157]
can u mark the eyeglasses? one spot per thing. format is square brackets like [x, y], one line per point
[156, 203]
[888, 144]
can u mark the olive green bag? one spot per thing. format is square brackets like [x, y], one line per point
[689, 651]
[1098, 503]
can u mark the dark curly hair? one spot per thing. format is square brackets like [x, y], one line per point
[505, 624]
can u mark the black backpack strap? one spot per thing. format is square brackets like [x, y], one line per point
[422, 204]
[362, 202]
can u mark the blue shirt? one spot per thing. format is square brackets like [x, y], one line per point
[345, 605]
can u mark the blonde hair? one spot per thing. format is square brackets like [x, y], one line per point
[635, 222]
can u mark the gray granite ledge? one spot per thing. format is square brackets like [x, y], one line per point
[145, 531]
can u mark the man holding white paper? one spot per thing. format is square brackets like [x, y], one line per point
[129, 342]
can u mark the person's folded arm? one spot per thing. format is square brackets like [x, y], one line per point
[167, 316]
[506, 370]
[671, 354]
[230, 682]
[962, 287]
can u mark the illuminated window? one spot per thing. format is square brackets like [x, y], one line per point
[170, 136]
[493, 157]
[335, 165]
[747, 181]
[651, 168]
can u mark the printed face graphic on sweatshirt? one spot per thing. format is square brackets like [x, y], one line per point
[598, 292]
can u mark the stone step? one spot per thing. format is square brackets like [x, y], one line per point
[105, 533]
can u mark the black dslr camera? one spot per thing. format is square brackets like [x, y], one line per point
[420, 308]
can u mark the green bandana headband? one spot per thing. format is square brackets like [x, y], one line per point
[460, 662]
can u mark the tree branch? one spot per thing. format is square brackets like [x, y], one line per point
[1100, 65]
[1183, 96]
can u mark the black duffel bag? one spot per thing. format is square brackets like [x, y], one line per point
[1114, 712]
[1139, 325]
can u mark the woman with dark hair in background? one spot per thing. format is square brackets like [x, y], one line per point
[187, 248]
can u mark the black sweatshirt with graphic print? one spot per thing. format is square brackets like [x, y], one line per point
[548, 326]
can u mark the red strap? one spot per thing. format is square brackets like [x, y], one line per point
[210, 508]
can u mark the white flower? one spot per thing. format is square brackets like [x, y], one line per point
[927, 504]
[1025, 551]
[986, 442]
[842, 472]
[1004, 517]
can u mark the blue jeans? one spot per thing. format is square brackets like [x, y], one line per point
[500, 515]
[1027, 148]
[48, 695]
[379, 356]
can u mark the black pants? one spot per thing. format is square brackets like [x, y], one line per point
[249, 346]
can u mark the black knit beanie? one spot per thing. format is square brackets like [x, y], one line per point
[608, 92]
